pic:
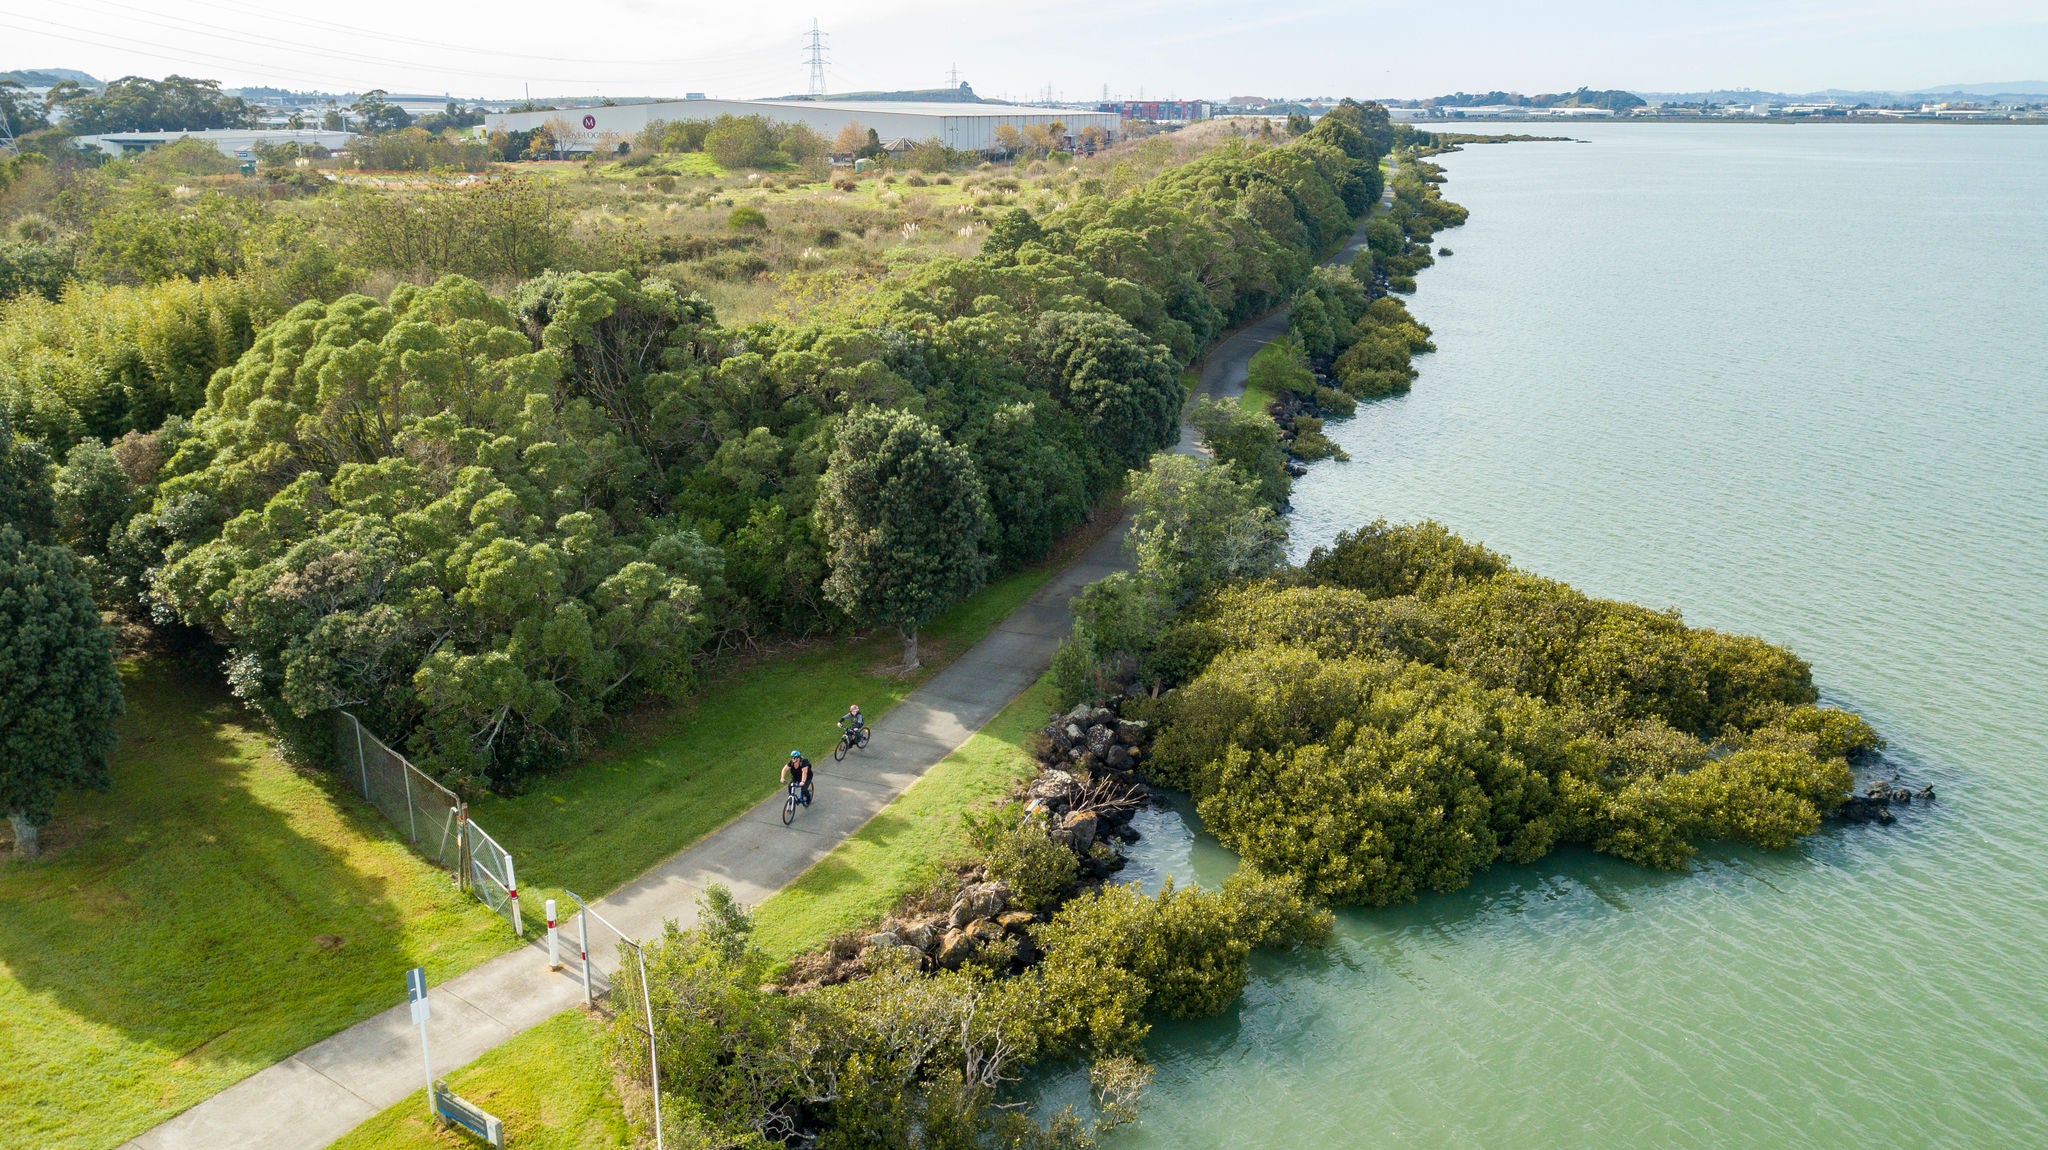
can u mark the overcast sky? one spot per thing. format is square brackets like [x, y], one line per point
[1017, 48]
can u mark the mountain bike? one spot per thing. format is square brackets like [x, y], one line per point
[849, 740]
[796, 798]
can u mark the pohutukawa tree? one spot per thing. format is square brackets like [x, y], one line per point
[903, 513]
[59, 690]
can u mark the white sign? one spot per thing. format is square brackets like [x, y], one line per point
[416, 992]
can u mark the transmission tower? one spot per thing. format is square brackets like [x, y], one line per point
[953, 76]
[6, 133]
[814, 47]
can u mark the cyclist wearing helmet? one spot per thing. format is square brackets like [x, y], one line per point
[798, 770]
[853, 721]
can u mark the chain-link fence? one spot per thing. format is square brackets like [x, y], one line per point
[430, 815]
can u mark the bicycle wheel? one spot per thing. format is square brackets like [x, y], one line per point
[789, 809]
[864, 733]
[839, 752]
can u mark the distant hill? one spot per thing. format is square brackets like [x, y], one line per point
[2016, 91]
[2010, 88]
[45, 77]
[1612, 99]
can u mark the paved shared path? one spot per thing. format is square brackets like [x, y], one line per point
[314, 1097]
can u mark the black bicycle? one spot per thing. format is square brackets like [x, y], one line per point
[849, 740]
[789, 805]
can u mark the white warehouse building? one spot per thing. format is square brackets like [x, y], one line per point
[961, 126]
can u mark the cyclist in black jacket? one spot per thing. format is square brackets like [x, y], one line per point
[798, 771]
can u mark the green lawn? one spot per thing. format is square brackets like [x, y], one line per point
[911, 841]
[551, 1087]
[687, 772]
[212, 913]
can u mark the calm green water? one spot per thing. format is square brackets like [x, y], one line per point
[1795, 382]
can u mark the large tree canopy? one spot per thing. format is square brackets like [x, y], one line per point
[904, 513]
[172, 104]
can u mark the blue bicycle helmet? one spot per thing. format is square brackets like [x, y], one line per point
[796, 754]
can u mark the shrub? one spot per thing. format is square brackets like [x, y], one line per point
[495, 229]
[1407, 709]
[1017, 850]
[746, 219]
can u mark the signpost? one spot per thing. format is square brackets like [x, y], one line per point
[416, 993]
[442, 1104]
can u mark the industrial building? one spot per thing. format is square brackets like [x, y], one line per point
[963, 127]
[237, 143]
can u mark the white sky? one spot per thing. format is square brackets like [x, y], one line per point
[1184, 47]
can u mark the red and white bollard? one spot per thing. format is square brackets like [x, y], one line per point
[512, 896]
[554, 950]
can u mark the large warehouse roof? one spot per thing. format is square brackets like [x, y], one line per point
[967, 127]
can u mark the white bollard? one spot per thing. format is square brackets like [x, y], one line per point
[512, 896]
[554, 951]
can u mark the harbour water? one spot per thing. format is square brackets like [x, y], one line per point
[1794, 382]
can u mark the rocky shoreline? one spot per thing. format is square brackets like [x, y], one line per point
[1878, 797]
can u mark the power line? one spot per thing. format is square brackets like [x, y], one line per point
[256, 40]
[438, 46]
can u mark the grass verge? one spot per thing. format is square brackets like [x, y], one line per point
[552, 1087]
[213, 912]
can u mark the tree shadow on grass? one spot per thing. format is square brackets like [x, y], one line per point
[216, 910]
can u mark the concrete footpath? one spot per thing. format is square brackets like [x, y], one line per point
[314, 1097]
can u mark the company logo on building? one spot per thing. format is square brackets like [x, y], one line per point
[590, 121]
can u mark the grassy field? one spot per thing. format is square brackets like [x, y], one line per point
[550, 1085]
[212, 913]
[685, 773]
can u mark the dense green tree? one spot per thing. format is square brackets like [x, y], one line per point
[1195, 524]
[1009, 231]
[905, 515]
[1036, 476]
[59, 690]
[173, 104]
[1123, 386]
[20, 111]
[1249, 442]
[374, 113]
[26, 502]
[397, 509]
